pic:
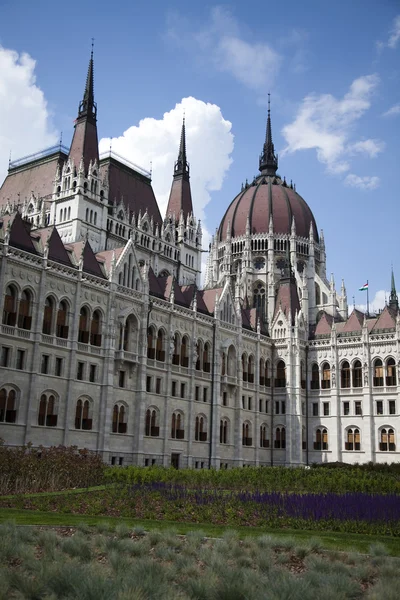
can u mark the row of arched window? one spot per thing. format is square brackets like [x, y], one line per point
[91, 216]
[48, 415]
[65, 214]
[383, 374]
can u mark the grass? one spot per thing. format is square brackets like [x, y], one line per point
[333, 541]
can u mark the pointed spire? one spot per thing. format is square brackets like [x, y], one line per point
[85, 145]
[182, 165]
[393, 298]
[88, 107]
[268, 158]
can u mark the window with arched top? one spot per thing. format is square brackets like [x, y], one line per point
[345, 375]
[130, 334]
[280, 438]
[264, 438]
[259, 299]
[303, 438]
[62, 320]
[95, 329]
[199, 355]
[280, 380]
[223, 431]
[353, 439]
[47, 325]
[357, 374]
[391, 372]
[8, 405]
[326, 376]
[119, 422]
[262, 371]
[244, 367]
[247, 440]
[267, 374]
[24, 310]
[184, 351]
[160, 351]
[10, 306]
[177, 426]
[250, 369]
[83, 414]
[84, 324]
[151, 351]
[152, 426]
[314, 384]
[207, 358]
[47, 415]
[378, 373]
[200, 429]
[387, 442]
[321, 439]
[177, 349]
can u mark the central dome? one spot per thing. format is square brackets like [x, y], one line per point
[268, 196]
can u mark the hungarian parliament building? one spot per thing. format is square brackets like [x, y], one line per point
[109, 341]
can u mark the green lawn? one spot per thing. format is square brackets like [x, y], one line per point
[333, 541]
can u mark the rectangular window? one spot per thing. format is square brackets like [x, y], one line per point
[249, 403]
[113, 459]
[326, 409]
[224, 399]
[148, 384]
[19, 363]
[121, 461]
[357, 408]
[80, 370]
[315, 411]
[260, 405]
[303, 408]
[197, 393]
[243, 401]
[146, 462]
[392, 407]
[346, 408]
[182, 390]
[379, 407]
[266, 406]
[283, 407]
[5, 356]
[121, 379]
[58, 367]
[153, 461]
[205, 394]
[173, 388]
[158, 385]
[44, 368]
[92, 373]
[277, 408]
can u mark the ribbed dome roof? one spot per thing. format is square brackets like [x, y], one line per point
[268, 195]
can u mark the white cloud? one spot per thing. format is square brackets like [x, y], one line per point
[393, 111]
[325, 123]
[369, 147]
[24, 117]
[220, 42]
[209, 144]
[362, 183]
[377, 304]
[393, 39]
[394, 36]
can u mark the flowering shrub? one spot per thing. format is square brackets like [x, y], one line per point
[26, 469]
[336, 480]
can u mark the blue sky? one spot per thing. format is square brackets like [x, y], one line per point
[332, 68]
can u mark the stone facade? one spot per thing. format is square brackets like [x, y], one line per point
[107, 342]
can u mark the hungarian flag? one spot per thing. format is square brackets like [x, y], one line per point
[364, 287]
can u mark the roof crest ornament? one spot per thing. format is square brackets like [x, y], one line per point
[268, 158]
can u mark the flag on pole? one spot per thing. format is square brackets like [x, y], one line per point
[364, 287]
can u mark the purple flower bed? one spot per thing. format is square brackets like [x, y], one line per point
[354, 506]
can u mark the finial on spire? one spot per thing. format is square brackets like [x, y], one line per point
[393, 298]
[88, 107]
[182, 165]
[268, 158]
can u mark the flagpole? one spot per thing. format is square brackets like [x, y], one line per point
[367, 299]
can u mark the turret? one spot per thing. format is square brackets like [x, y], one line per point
[180, 198]
[268, 158]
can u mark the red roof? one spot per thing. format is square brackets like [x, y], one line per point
[180, 198]
[287, 298]
[268, 196]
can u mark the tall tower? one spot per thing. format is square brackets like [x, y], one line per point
[79, 209]
[393, 298]
[180, 209]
